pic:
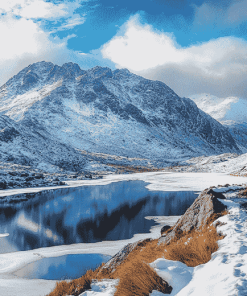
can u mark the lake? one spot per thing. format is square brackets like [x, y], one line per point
[86, 214]
[63, 267]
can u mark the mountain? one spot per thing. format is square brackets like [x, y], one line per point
[54, 114]
[231, 112]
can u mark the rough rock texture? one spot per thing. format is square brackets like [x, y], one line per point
[196, 216]
[118, 258]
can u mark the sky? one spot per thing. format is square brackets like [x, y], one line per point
[194, 47]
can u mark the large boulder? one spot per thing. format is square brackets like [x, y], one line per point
[197, 215]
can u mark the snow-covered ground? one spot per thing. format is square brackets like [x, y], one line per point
[10, 262]
[226, 272]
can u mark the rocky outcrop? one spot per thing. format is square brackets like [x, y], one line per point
[197, 215]
[205, 206]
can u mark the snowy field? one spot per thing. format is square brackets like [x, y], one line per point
[233, 246]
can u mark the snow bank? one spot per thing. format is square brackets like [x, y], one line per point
[102, 288]
[176, 273]
[226, 272]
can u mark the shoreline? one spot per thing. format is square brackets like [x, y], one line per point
[157, 181]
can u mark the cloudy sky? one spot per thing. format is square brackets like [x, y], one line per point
[193, 46]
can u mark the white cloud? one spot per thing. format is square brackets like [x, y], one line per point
[33, 8]
[24, 39]
[218, 64]
[24, 42]
[141, 48]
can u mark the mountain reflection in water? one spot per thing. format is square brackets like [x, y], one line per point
[86, 214]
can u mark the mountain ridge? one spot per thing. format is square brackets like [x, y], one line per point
[113, 112]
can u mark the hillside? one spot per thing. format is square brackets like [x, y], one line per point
[57, 115]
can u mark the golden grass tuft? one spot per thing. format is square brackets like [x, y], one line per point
[140, 279]
[75, 287]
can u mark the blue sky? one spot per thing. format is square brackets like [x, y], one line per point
[193, 46]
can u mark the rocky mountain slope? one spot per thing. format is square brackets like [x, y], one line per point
[49, 115]
[231, 112]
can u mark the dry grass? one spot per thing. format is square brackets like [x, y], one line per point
[140, 279]
[137, 277]
[75, 287]
[134, 169]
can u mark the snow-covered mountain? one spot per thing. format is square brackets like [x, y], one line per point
[51, 113]
[231, 112]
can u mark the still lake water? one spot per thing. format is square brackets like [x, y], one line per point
[63, 267]
[86, 214]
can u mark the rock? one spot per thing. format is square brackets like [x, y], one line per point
[13, 173]
[196, 216]
[89, 176]
[39, 177]
[3, 185]
[123, 254]
[10, 184]
[61, 183]
[24, 174]
[29, 179]
[165, 228]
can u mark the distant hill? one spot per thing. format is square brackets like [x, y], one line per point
[231, 112]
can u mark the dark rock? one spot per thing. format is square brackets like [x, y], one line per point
[89, 176]
[61, 183]
[217, 194]
[29, 179]
[165, 228]
[24, 174]
[13, 173]
[39, 177]
[3, 185]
